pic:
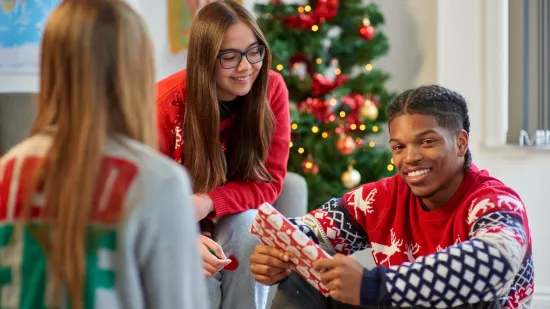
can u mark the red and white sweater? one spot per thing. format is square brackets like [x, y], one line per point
[475, 248]
[234, 196]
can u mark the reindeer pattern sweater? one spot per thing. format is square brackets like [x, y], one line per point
[475, 248]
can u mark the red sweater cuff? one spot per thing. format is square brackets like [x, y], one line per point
[222, 206]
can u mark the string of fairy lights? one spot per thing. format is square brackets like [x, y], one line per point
[366, 31]
[362, 127]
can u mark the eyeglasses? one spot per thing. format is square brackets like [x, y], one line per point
[232, 59]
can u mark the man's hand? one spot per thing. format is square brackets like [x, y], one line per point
[269, 265]
[342, 275]
[211, 263]
[203, 205]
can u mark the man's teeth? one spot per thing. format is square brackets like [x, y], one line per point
[418, 173]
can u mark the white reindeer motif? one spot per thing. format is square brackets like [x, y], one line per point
[512, 203]
[458, 240]
[411, 250]
[475, 208]
[388, 251]
[356, 200]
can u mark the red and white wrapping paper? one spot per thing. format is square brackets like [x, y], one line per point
[273, 229]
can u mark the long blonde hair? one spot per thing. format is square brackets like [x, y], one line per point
[254, 125]
[96, 82]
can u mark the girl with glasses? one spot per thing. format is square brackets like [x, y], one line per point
[88, 207]
[226, 119]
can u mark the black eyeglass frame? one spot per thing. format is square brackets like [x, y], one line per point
[243, 53]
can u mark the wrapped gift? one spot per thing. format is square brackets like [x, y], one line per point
[273, 229]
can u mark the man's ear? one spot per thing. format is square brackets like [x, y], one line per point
[462, 142]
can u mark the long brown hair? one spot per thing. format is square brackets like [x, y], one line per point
[96, 83]
[252, 129]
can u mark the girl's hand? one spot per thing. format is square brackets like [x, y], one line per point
[213, 258]
[203, 205]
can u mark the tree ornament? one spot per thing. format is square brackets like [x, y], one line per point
[309, 166]
[303, 62]
[367, 32]
[369, 110]
[321, 85]
[323, 11]
[350, 178]
[345, 145]
[317, 107]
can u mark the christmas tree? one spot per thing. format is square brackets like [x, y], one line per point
[324, 51]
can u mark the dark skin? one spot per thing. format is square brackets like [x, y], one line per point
[434, 155]
[419, 143]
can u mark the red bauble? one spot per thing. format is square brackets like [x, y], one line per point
[309, 167]
[346, 145]
[366, 32]
[323, 11]
[321, 85]
[317, 107]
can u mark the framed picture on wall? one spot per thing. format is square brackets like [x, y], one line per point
[21, 25]
[180, 14]
[21, 28]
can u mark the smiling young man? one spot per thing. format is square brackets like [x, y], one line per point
[443, 233]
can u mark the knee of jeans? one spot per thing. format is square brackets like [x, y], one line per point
[233, 233]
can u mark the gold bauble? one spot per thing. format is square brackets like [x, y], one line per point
[350, 178]
[369, 111]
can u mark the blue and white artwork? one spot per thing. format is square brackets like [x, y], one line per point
[21, 26]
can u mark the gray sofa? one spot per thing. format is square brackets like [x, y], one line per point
[17, 111]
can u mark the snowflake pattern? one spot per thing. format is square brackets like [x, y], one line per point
[333, 229]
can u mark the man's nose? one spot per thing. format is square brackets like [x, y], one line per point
[412, 155]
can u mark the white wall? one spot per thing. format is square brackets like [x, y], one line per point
[411, 29]
[470, 59]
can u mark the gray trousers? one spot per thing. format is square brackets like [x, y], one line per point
[236, 289]
[296, 293]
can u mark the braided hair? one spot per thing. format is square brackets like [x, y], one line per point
[448, 107]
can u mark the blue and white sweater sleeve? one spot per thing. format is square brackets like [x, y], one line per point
[480, 269]
[333, 228]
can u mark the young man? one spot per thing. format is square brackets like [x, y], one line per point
[443, 233]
